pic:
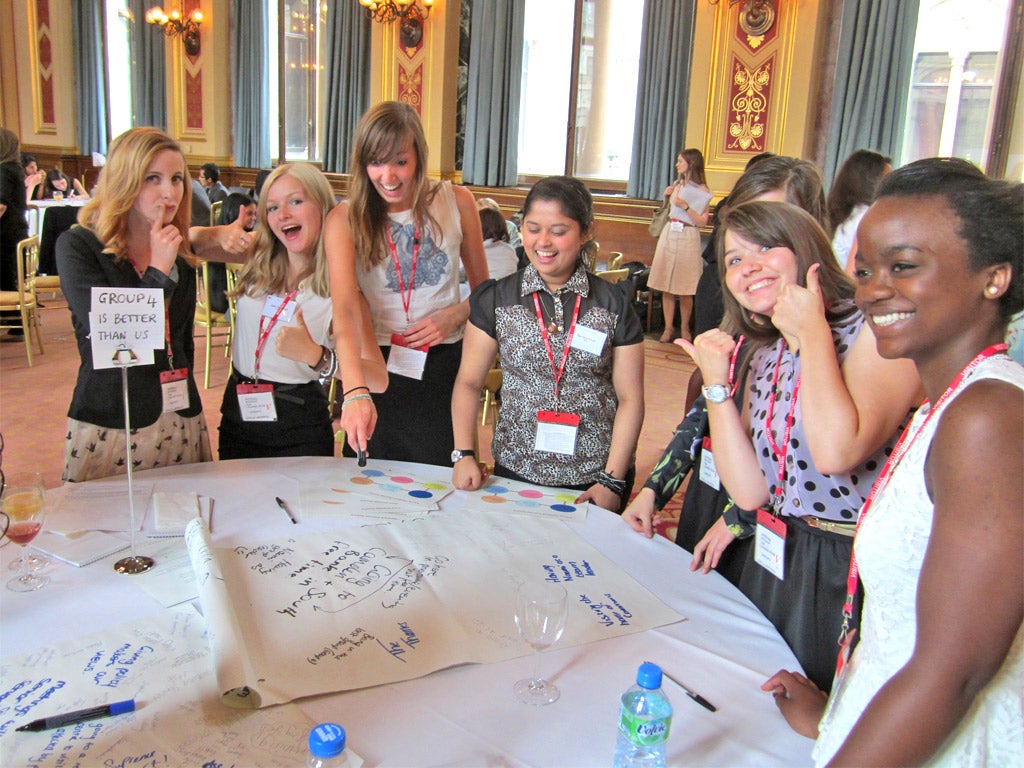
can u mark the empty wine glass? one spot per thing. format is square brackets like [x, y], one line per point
[22, 503]
[541, 609]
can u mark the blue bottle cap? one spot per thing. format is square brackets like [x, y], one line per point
[649, 676]
[328, 740]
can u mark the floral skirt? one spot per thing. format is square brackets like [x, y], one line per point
[92, 452]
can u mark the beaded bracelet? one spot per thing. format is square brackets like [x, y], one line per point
[609, 482]
[350, 391]
[354, 398]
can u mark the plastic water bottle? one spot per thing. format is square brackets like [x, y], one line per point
[327, 747]
[644, 721]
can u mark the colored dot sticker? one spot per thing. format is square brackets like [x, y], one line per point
[530, 493]
[562, 508]
[421, 494]
[403, 480]
[373, 473]
[493, 499]
[362, 481]
[499, 489]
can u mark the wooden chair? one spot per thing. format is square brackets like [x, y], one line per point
[23, 300]
[209, 320]
[614, 275]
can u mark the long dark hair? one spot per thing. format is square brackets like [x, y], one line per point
[855, 184]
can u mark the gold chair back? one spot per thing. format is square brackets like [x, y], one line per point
[23, 300]
[209, 320]
[215, 209]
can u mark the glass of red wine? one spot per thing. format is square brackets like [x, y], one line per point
[22, 504]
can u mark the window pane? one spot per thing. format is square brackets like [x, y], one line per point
[119, 67]
[301, 78]
[950, 109]
[606, 91]
[544, 101]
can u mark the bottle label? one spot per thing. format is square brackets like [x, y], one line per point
[644, 733]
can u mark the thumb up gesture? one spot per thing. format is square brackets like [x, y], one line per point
[798, 310]
[294, 342]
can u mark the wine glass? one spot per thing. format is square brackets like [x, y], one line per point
[541, 609]
[22, 503]
[36, 561]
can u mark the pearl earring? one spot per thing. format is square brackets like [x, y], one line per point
[992, 290]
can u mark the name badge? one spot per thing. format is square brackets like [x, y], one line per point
[770, 544]
[256, 402]
[708, 471]
[273, 304]
[556, 432]
[677, 226]
[587, 339]
[174, 389]
[405, 360]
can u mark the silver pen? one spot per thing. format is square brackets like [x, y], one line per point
[689, 691]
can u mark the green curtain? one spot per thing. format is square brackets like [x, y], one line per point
[250, 76]
[149, 90]
[663, 92]
[90, 89]
[872, 86]
[491, 155]
[348, 81]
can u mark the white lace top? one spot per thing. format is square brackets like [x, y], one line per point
[890, 550]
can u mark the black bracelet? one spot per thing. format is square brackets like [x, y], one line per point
[609, 482]
[325, 355]
[349, 392]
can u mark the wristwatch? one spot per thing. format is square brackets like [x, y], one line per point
[458, 454]
[716, 393]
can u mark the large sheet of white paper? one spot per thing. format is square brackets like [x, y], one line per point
[383, 603]
[163, 663]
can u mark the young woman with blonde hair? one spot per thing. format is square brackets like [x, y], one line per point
[282, 351]
[134, 234]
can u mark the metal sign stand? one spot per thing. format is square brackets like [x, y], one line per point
[124, 359]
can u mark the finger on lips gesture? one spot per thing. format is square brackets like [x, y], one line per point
[164, 242]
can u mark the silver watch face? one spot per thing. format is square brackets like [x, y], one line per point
[456, 455]
[716, 393]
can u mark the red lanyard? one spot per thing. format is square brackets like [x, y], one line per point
[264, 334]
[780, 452]
[406, 296]
[557, 372]
[732, 366]
[902, 447]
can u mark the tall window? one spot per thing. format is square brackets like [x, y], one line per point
[581, 59]
[298, 84]
[116, 20]
[956, 58]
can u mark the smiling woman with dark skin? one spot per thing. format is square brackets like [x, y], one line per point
[938, 674]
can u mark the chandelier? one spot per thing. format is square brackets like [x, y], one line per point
[173, 24]
[408, 13]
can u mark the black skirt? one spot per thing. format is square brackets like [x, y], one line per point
[303, 426]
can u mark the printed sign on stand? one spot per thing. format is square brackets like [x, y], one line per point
[124, 320]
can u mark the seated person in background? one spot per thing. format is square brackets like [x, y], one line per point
[572, 355]
[501, 256]
[200, 205]
[209, 177]
[283, 337]
[237, 207]
[515, 239]
[34, 177]
[58, 186]
[938, 675]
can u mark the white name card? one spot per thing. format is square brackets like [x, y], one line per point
[126, 325]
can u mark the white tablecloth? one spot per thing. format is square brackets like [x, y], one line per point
[36, 212]
[467, 716]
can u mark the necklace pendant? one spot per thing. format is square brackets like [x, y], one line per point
[554, 328]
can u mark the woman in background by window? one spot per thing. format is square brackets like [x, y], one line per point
[677, 261]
